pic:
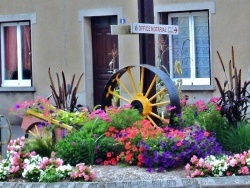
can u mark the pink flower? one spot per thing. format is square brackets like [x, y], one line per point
[197, 172]
[244, 170]
[86, 177]
[188, 167]
[201, 162]
[194, 159]
[232, 162]
[200, 105]
[170, 108]
[59, 162]
[214, 100]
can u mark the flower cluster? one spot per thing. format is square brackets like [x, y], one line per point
[206, 115]
[40, 105]
[33, 167]
[82, 173]
[220, 165]
[129, 138]
[177, 146]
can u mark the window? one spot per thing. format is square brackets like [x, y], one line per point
[16, 62]
[191, 47]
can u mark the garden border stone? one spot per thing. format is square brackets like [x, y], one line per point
[208, 182]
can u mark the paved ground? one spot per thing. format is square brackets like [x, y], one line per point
[222, 182]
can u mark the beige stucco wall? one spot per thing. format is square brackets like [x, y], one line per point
[61, 40]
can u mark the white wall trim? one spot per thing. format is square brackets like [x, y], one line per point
[186, 6]
[18, 17]
[84, 19]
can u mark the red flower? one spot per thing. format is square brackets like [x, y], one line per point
[111, 129]
[109, 154]
[127, 146]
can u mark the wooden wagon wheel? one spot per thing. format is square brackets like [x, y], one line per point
[139, 97]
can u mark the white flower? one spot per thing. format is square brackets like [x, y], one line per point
[64, 170]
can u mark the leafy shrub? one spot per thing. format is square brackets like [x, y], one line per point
[123, 117]
[79, 146]
[207, 116]
[237, 139]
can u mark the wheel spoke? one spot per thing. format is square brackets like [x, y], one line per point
[161, 103]
[119, 96]
[151, 120]
[132, 80]
[123, 86]
[142, 79]
[156, 115]
[151, 86]
[158, 93]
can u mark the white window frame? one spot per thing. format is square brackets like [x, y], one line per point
[19, 82]
[188, 7]
[8, 18]
[192, 80]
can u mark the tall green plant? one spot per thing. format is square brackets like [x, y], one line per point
[235, 98]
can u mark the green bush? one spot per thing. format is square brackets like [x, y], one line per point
[80, 146]
[237, 139]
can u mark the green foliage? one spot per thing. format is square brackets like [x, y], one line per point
[80, 146]
[42, 144]
[237, 139]
[50, 175]
[75, 119]
[235, 99]
[207, 116]
[124, 118]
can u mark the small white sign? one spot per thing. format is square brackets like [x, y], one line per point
[154, 29]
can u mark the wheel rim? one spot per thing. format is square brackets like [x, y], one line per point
[140, 97]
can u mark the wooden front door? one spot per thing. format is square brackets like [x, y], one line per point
[103, 43]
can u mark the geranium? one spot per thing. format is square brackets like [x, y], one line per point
[130, 138]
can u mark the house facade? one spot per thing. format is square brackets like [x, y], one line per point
[75, 37]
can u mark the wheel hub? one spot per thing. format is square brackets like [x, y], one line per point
[142, 104]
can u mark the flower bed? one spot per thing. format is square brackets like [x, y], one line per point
[121, 136]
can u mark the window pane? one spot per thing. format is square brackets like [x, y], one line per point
[181, 46]
[10, 49]
[26, 51]
[202, 69]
